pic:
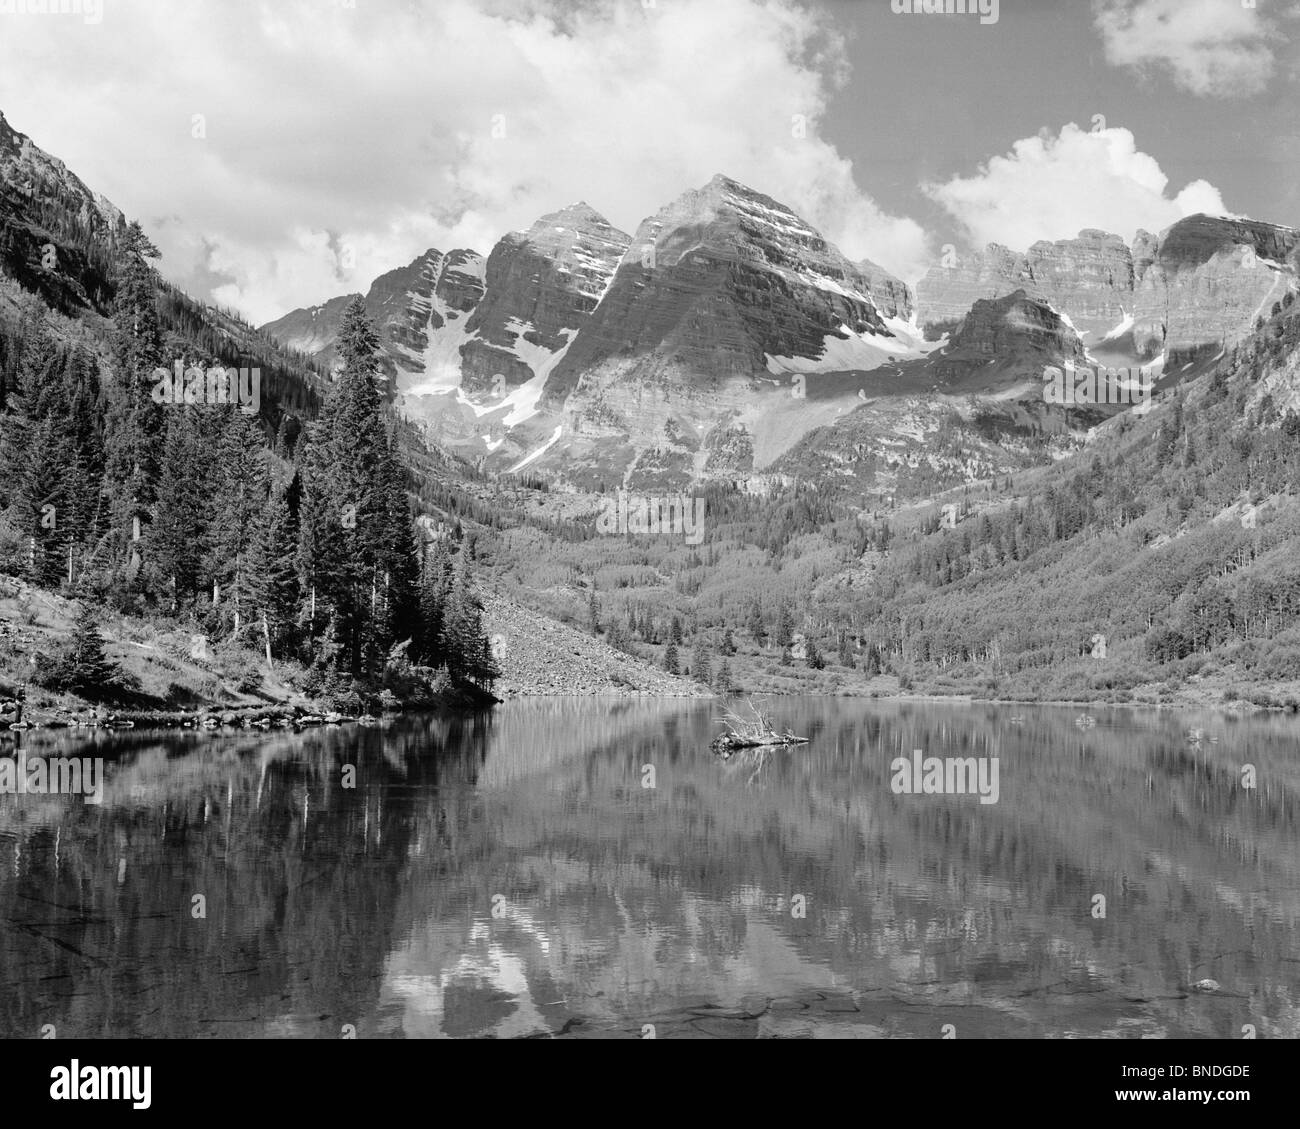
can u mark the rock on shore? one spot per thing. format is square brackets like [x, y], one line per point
[540, 656]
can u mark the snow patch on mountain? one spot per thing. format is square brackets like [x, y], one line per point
[1064, 317]
[439, 365]
[851, 351]
[522, 402]
[1125, 324]
[438, 369]
[555, 438]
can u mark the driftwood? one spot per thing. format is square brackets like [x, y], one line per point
[751, 730]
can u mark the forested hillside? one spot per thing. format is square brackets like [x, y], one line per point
[270, 506]
[913, 540]
[1154, 563]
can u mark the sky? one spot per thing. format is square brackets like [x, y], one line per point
[281, 152]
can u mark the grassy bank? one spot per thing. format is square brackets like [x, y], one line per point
[171, 676]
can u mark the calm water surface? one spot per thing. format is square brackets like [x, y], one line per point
[508, 875]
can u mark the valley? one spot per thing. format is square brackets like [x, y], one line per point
[889, 475]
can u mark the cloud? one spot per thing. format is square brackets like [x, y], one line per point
[383, 129]
[1215, 48]
[1052, 187]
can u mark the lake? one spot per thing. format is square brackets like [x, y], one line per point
[590, 869]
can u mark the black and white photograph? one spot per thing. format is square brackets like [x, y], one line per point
[650, 520]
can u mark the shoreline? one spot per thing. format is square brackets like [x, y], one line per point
[298, 718]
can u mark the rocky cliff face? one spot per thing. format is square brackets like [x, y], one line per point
[972, 409]
[1006, 340]
[542, 286]
[1198, 285]
[311, 329]
[483, 329]
[645, 349]
[1089, 279]
[715, 284]
[892, 296]
[727, 327]
[29, 171]
[417, 309]
[415, 306]
[56, 234]
[1204, 281]
[721, 289]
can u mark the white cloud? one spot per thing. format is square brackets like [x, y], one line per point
[373, 127]
[1217, 48]
[1051, 187]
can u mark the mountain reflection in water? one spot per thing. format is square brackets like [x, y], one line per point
[507, 874]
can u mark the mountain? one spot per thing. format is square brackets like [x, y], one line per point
[727, 339]
[541, 288]
[56, 235]
[465, 338]
[602, 356]
[1090, 279]
[312, 330]
[720, 292]
[726, 283]
[1005, 341]
[1199, 285]
[1203, 283]
[971, 410]
[31, 174]
[416, 309]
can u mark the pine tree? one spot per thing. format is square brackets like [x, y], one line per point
[813, 655]
[670, 659]
[174, 545]
[238, 494]
[700, 669]
[398, 566]
[83, 667]
[356, 540]
[21, 391]
[434, 590]
[784, 626]
[321, 558]
[136, 426]
[15, 436]
[38, 501]
[465, 644]
[270, 581]
[846, 650]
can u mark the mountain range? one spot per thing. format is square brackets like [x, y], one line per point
[885, 479]
[724, 341]
[728, 340]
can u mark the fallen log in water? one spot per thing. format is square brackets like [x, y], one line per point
[751, 731]
[729, 742]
